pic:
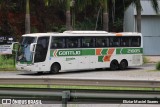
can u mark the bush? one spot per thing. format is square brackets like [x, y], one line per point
[145, 60]
[6, 62]
[158, 65]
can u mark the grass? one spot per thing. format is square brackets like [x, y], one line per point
[7, 63]
[145, 60]
[158, 66]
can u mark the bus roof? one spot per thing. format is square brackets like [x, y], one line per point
[83, 33]
[86, 32]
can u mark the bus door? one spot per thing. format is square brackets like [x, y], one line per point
[41, 50]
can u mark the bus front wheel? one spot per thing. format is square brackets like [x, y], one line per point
[114, 65]
[55, 68]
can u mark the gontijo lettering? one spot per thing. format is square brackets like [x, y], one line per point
[69, 53]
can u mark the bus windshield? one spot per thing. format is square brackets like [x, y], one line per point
[24, 54]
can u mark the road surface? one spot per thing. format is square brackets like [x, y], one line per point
[144, 72]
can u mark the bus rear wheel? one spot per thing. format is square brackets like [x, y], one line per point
[123, 64]
[114, 65]
[55, 68]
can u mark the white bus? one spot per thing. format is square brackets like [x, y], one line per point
[75, 50]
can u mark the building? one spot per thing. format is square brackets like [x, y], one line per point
[150, 24]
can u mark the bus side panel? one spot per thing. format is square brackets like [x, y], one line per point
[98, 62]
[83, 62]
[132, 59]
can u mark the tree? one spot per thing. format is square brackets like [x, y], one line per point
[104, 5]
[68, 15]
[5, 27]
[27, 18]
[68, 11]
[105, 15]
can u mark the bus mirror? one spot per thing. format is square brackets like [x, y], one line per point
[14, 46]
[32, 47]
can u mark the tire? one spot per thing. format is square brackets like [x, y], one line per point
[114, 65]
[55, 68]
[123, 64]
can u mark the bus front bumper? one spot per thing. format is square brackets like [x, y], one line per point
[30, 68]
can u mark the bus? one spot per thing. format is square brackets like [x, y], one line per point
[76, 50]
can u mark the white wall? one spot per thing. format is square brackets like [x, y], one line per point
[129, 20]
[147, 8]
[150, 26]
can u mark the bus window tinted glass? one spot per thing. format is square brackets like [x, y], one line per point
[24, 54]
[73, 42]
[135, 41]
[101, 42]
[58, 42]
[125, 41]
[114, 41]
[41, 49]
[88, 42]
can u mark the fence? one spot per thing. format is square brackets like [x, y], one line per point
[77, 96]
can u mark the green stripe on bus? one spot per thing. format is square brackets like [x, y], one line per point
[129, 51]
[100, 58]
[69, 52]
[88, 52]
[51, 53]
[104, 51]
[72, 52]
[82, 52]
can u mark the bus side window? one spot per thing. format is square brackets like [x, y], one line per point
[71, 45]
[114, 41]
[72, 42]
[54, 45]
[88, 42]
[57, 42]
[101, 42]
[124, 41]
[107, 41]
[135, 41]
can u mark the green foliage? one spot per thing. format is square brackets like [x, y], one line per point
[145, 59]
[50, 15]
[87, 24]
[34, 30]
[56, 28]
[7, 62]
[117, 25]
[158, 65]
